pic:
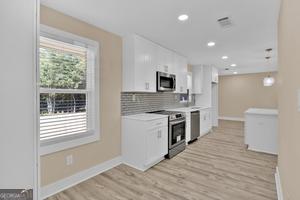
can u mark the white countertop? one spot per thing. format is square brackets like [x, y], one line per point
[145, 116]
[261, 111]
[189, 109]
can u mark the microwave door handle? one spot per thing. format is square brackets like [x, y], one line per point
[174, 83]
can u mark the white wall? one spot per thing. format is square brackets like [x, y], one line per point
[17, 89]
[215, 105]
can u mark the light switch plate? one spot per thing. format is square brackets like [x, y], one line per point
[69, 160]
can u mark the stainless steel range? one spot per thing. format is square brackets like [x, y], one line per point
[176, 131]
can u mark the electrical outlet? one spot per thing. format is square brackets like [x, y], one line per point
[69, 160]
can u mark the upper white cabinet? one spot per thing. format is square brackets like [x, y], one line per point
[197, 79]
[139, 65]
[165, 60]
[180, 65]
[143, 58]
[215, 75]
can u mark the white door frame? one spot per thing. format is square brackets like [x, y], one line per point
[36, 99]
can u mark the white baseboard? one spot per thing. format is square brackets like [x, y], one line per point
[232, 118]
[250, 148]
[68, 182]
[278, 185]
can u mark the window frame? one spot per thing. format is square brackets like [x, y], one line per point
[48, 146]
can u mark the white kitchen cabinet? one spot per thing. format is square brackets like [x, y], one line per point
[143, 58]
[144, 140]
[139, 67]
[180, 64]
[215, 75]
[261, 130]
[197, 79]
[205, 121]
[190, 81]
[165, 60]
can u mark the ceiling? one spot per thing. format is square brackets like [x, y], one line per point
[254, 27]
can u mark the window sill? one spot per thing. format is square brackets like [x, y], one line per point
[48, 147]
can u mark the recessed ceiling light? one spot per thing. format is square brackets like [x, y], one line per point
[234, 72]
[183, 17]
[211, 44]
[233, 65]
[224, 57]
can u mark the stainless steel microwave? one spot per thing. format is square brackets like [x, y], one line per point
[165, 82]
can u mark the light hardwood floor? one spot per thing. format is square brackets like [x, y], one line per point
[216, 167]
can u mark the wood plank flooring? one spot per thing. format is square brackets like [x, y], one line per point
[216, 167]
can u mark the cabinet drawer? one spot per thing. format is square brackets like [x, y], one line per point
[157, 123]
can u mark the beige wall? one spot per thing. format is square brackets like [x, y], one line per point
[289, 116]
[53, 166]
[237, 93]
[189, 68]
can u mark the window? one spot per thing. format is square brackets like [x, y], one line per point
[69, 111]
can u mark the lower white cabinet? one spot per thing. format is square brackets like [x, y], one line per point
[205, 121]
[144, 140]
[261, 130]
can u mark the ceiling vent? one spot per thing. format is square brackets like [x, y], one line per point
[225, 22]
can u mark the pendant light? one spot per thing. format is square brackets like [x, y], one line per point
[269, 81]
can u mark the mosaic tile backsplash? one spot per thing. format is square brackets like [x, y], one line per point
[135, 103]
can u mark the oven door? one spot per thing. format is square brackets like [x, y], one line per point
[165, 82]
[176, 133]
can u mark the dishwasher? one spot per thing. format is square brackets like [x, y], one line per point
[195, 125]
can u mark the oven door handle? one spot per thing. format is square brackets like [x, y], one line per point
[177, 122]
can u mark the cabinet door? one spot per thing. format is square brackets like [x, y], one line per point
[205, 121]
[208, 120]
[163, 141]
[197, 79]
[190, 82]
[215, 75]
[165, 60]
[202, 122]
[145, 65]
[157, 144]
[180, 65]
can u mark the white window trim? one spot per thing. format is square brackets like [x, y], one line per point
[59, 144]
